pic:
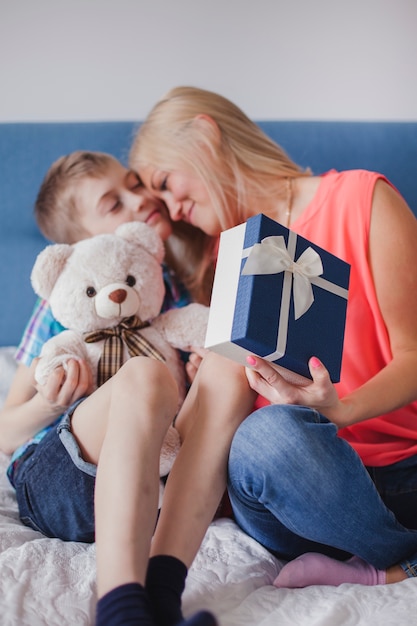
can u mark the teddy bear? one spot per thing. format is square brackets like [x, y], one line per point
[108, 290]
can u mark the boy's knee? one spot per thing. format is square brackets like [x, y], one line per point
[141, 368]
[224, 380]
[142, 374]
[218, 368]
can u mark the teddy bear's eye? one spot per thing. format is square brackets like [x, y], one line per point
[91, 292]
[131, 280]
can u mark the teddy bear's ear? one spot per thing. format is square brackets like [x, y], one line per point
[144, 236]
[48, 266]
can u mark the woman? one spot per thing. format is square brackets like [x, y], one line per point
[325, 471]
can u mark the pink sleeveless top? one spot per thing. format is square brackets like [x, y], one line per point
[338, 220]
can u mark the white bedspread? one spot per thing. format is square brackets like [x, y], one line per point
[48, 582]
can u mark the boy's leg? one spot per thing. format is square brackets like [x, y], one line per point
[121, 428]
[218, 401]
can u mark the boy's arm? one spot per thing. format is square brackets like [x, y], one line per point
[30, 407]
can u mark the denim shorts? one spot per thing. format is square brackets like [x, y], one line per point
[55, 486]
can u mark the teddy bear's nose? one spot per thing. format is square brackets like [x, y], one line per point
[118, 296]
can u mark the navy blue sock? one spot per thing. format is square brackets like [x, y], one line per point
[127, 605]
[165, 582]
[203, 618]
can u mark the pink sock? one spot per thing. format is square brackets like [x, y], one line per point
[317, 569]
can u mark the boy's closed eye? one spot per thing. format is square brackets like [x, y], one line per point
[133, 181]
[115, 206]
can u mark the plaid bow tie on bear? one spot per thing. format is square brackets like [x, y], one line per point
[127, 332]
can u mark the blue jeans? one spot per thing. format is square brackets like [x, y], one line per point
[296, 487]
[55, 486]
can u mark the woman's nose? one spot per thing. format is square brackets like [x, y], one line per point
[174, 208]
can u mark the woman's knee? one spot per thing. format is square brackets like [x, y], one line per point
[274, 433]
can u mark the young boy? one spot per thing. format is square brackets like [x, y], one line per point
[85, 467]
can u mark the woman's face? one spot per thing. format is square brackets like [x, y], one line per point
[185, 195]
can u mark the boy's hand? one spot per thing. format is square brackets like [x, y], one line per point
[65, 386]
[194, 361]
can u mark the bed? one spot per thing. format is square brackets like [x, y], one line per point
[48, 582]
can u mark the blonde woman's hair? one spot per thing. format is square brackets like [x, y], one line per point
[234, 158]
[191, 254]
[56, 210]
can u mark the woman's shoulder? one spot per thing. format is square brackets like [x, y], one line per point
[310, 187]
[334, 199]
[349, 177]
[346, 186]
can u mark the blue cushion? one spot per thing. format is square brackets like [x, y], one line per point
[28, 149]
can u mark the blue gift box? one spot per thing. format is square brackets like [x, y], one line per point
[279, 296]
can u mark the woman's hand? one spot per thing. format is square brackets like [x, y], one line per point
[194, 361]
[66, 385]
[319, 394]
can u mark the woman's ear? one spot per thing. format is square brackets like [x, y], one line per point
[208, 126]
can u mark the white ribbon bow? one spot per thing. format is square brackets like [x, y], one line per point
[271, 257]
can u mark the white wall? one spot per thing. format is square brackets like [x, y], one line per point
[288, 59]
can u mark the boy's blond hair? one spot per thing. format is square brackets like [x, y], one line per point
[57, 216]
[56, 211]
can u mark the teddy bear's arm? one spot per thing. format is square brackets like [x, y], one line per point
[184, 327]
[57, 351]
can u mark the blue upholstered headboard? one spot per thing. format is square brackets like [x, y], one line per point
[27, 150]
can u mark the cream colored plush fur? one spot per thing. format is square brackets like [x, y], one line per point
[65, 275]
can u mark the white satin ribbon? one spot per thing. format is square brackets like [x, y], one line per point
[271, 256]
[275, 257]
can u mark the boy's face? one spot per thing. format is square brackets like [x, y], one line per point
[118, 197]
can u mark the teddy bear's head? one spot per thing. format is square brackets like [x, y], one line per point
[97, 282]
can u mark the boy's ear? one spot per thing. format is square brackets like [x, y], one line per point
[208, 126]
